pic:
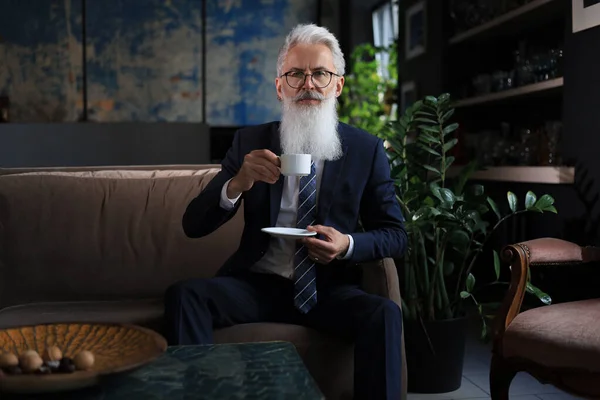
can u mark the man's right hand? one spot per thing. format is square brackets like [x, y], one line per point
[258, 166]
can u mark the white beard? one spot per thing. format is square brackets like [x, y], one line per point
[311, 129]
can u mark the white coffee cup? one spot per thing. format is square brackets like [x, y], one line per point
[295, 164]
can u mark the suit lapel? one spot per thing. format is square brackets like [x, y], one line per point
[332, 172]
[276, 189]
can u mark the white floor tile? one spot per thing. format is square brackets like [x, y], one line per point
[474, 366]
[522, 384]
[467, 390]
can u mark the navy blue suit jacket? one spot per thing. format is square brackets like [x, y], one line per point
[356, 186]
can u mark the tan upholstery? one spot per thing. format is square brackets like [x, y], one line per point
[103, 244]
[562, 335]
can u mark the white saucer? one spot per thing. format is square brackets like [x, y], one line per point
[292, 233]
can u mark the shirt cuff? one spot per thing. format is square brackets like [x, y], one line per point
[225, 202]
[350, 249]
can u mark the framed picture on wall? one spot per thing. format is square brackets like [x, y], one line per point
[586, 14]
[408, 95]
[415, 23]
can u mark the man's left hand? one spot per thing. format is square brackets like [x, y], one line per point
[333, 244]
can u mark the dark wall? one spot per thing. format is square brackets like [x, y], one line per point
[581, 118]
[93, 144]
[425, 70]
[350, 21]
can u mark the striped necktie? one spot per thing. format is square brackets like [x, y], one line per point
[305, 274]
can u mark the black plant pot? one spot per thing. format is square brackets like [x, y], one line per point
[440, 370]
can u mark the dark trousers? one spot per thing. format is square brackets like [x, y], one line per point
[194, 308]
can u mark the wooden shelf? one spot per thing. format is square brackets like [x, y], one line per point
[506, 94]
[511, 16]
[551, 175]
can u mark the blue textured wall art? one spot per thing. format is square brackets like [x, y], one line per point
[144, 60]
[40, 59]
[243, 40]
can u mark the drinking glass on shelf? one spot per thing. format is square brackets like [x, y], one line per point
[553, 135]
[485, 155]
[482, 84]
[528, 147]
[556, 62]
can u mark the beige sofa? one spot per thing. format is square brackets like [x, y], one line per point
[103, 244]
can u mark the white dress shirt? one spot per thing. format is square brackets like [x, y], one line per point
[279, 258]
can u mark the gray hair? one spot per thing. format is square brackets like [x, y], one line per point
[312, 34]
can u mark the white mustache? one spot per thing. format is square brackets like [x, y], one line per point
[309, 96]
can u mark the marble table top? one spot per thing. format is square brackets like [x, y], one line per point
[268, 370]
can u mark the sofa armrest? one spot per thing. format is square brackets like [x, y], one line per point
[380, 277]
[537, 252]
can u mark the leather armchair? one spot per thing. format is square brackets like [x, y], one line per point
[557, 344]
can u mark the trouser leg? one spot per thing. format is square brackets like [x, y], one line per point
[193, 308]
[374, 324]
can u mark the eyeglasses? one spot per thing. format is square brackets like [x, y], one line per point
[320, 79]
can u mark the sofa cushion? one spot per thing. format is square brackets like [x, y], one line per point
[103, 235]
[560, 335]
[145, 312]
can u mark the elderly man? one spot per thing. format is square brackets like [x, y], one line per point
[348, 199]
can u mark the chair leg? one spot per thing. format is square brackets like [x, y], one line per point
[501, 376]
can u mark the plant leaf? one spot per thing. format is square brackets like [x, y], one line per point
[449, 161]
[497, 264]
[428, 138]
[530, 199]
[427, 113]
[470, 282]
[544, 202]
[421, 213]
[431, 99]
[430, 150]
[444, 97]
[447, 196]
[551, 209]
[435, 190]
[543, 297]
[464, 295]
[428, 120]
[494, 207]
[512, 201]
[476, 190]
[432, 169]
[459, 238]
[450, 144]
[484, 330]
[447, 115]
[450, 128]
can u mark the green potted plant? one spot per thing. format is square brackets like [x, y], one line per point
[447, 220]
[368, 97]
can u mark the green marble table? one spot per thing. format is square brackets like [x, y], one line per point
[269, 370]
